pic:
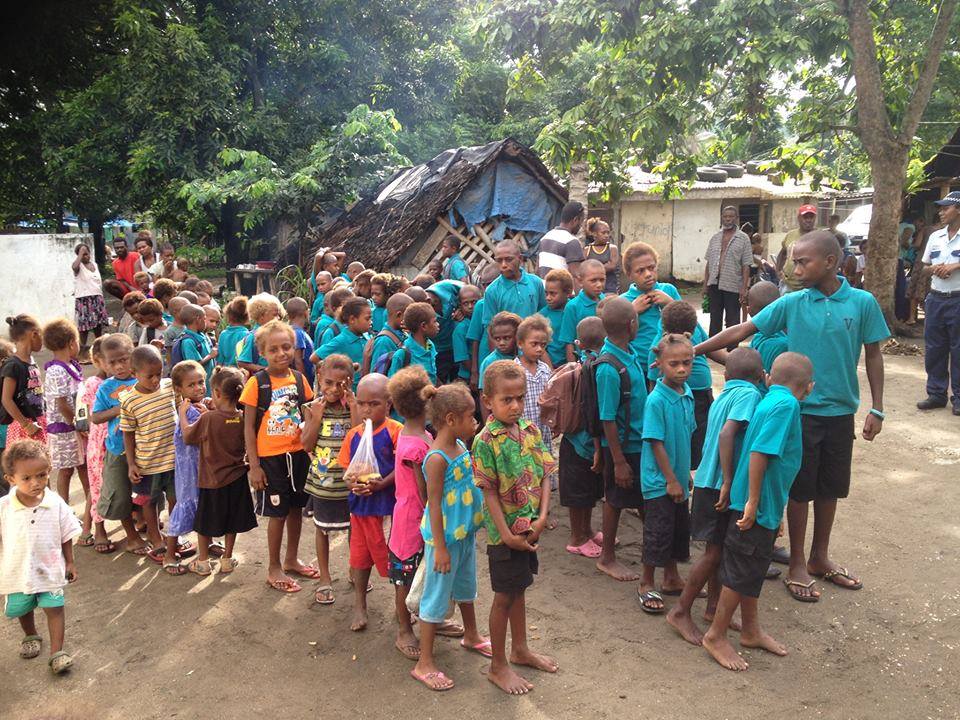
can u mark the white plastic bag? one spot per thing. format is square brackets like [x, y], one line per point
[416, 589]
[363, 468]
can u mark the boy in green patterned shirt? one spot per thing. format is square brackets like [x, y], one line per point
[510, 463]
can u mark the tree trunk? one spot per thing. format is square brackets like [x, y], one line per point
[99, 247]
[883, 248]
[579, 182]
[227, 235]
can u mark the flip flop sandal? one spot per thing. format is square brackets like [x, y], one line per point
[369, 585]
[85, 540]
[410, 652]
[157, 554]
[648, 597]
[329, 599]
[105, 548]
[311, 572]
[426, 679]
[589, 549]
[481, 648]
[186, 549]
[60, 662]
[30, 646]
[200, 568]
[216, 550]
[228, 565]
[800, 598]
[450, 629]
[284, 586]
[141, 551]
[841, 572]
[174, 568]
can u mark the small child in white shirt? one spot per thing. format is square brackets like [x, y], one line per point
[37, 529]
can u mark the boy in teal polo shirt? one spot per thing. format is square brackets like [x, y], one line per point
[391, 336]
[769, 346]
[420, 320]
[668, 423]
[558, 284]
[503, 337]
[622, 424]
[771, 456]
[830, 323]
[351, 341]
[234, 333]
[444, 296]
[583, 305]
[194, 345]
[470, 295]
[515, 290]
[322, 284]
[334, 300]
[454, 266]
[709, 517]
[648, 296]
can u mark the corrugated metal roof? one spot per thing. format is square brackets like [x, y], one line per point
[642, 183]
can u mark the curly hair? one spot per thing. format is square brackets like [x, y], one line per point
[504, 317]
[635, 250]
[590, 228]
[679, 317]
[392, 284]
[21, 451]
[454, 398]
[182, 369]
[260, 305]
[236, 311]
[534, 323]
[228, 381]
[499, 371]
[164, 289]
[405, 389]
[559, 275]
[670, 340]
[353, 308]
[20, 325]
[150, 307]
[274, 326]
[59, 333]
[131, 301]
[337, 362]
[416, 315]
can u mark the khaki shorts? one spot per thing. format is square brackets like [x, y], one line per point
[115, 502]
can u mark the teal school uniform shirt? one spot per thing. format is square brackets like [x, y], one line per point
[316, 310]
[248, 352]
[831, 331]
[523, 296]
[649, 320]
[323, 322]
[477, 332]
[775, 431]
[700, 378]
[348, 343]
[333, 330]
[227, 344]
[461, 348]
[629, 420]
[416, 354]
[107, 398]
[383, 344]
[770, 347]
[379, 318]
[580, 306]
[668, 417]
[455, 268]
[556, 349]
[195, 346]
[737, 402]
[448, 292]
[491, 358]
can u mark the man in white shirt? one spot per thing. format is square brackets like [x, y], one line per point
[941, 331]
[560, 247]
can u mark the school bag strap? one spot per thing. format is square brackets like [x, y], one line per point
[625, 386]
[265, 393]
[368, 348]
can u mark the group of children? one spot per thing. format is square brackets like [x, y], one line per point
[364, 407]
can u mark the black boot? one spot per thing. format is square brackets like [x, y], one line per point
[931, 403]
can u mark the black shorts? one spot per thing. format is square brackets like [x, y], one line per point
[827, 457]
[705, 522]
[666, 531]
[580, 487]
[330, 515]
[446, 368]
[157, 486]
[401, 572]
[702, 400]
[226, 510]
[616, 496]
[746, 557]
[511, 571]
[286, 477]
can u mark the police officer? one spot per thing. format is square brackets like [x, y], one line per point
[942, 326]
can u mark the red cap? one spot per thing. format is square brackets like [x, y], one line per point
[807, 210]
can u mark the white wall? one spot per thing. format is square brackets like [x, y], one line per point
[35, 275]
[694, 222]
[649, 221]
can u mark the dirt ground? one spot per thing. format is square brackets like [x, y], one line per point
[151, 646]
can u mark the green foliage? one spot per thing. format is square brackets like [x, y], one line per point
[200, 255]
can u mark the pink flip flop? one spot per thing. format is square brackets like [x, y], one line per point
[598, 539]
[481, 648]
[589, 549]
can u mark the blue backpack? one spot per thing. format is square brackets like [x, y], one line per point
[176, 350]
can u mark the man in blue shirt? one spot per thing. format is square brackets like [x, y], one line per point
[771, 456]
[830, 323]
[515, 290]
[454, 266]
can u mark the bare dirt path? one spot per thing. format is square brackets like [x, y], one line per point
[151, 646]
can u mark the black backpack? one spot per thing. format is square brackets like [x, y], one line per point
[19, 398]
[588, 393]
[265, 393]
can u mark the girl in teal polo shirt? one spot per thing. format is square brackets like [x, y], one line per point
[668, 424]
[355, 317]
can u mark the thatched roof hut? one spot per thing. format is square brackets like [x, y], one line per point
[481, 194]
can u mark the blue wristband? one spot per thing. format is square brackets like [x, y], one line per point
[878, 413]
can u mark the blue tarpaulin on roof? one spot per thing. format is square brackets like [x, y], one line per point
[507, 191]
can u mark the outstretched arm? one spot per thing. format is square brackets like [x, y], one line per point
[731, 336]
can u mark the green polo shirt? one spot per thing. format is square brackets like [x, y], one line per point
[461, 348]
[737, 402]
[556, 349]
[629, 420]
[700, 378]
[334, 329]
[523, 296]
[649, 320]
[491, 358]
[323, 322]
[477, 332]
[378, 316]
[248, 352]
[775, 431]
[195, 346]
[668, 417]
[831, 331]
[770, 347]
[346, 343]
[416, 354]
[580, 307]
